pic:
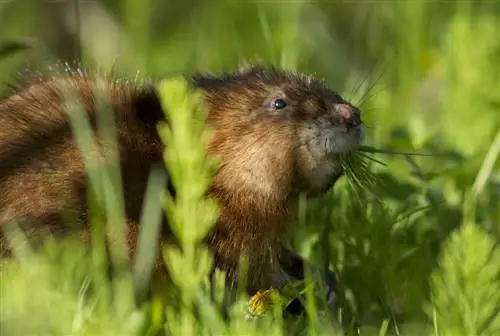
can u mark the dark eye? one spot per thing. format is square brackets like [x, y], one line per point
[279, 103]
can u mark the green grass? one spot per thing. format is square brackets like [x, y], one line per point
[416, 250]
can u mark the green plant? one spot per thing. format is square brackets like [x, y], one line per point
[414, 245]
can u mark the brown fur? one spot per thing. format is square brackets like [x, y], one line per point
[268, 158]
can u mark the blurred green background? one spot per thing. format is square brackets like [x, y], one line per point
[425, 73]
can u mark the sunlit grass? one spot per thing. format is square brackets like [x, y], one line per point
[410, 230]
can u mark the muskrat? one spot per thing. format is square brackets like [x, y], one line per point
[278, 134]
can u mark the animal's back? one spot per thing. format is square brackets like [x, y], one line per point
[42, 171]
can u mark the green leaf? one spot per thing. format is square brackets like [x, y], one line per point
[8, 48]
[466, 287]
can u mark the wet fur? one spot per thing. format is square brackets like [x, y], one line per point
[42, 175]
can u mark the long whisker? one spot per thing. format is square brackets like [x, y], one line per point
[375, 82]
[363, 81]
[369, 96]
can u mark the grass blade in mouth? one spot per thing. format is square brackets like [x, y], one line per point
[356, 168]
[369, 149]
[356, 165]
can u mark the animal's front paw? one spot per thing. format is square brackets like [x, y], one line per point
[325, 287]
[330, 288]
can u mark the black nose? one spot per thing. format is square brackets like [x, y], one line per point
[348, 115]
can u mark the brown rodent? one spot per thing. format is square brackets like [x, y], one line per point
[277, 134]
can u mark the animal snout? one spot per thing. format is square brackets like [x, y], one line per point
[348, 115]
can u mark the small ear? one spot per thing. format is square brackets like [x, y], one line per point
[245, 70]
[205, 81]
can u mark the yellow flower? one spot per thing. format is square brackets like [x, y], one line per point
[261, 302]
